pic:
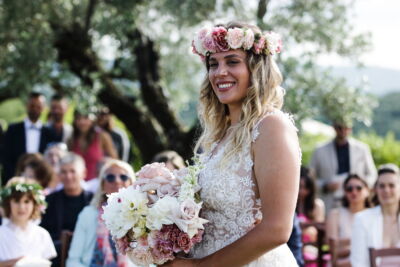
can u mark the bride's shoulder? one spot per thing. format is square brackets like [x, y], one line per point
[274, 122]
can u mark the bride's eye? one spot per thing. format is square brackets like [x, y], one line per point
[213, 65]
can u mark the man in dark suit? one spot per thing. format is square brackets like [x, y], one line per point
[65, 205]
[28, 136]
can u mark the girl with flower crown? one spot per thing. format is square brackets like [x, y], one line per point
[22, 201]
[251, 156]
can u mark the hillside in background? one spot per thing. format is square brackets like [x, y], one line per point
[381, 81]
[386, 116]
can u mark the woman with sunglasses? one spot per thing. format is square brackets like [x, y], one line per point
[356, 199]
[378, 227]
[92, 244]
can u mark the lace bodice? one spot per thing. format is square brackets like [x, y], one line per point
[230, 197]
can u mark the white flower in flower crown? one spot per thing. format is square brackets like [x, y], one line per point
[248, 39]
[161, 212]
[235, 38]
[274, 42]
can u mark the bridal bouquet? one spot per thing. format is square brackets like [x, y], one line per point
[158, 216]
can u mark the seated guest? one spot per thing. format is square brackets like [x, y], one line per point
[294, 243]
[35, 167]
[356, 199]
[22, 201]
[378, 227]
[172, 160]
[65, 205]
[340, 220]
[92, 244]
[309, 209]
[52, 155]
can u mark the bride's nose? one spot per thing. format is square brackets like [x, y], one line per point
[222, 70]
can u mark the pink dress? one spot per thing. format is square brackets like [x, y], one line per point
[92, 155]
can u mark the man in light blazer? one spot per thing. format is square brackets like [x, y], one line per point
[28, 136]
[334, 161]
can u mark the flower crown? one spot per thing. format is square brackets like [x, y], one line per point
[36, 190]
[219, 39]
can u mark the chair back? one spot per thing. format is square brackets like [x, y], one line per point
[66, 237]
[319, 243]
[340, 252]
[381, 253]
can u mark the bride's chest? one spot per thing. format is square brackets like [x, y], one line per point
[228, 184]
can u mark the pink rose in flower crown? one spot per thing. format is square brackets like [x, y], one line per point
[259, 45]
[219, 36]
[203, 33]
[209, 43]
[248, 39]
[235, 38]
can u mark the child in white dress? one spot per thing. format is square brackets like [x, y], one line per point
[22, 200]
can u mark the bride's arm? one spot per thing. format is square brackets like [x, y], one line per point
[277, 171]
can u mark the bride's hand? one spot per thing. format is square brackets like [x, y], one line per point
[179, 262]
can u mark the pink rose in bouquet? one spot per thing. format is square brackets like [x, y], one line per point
[158, 181]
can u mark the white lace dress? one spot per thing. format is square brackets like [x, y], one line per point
[229, 203]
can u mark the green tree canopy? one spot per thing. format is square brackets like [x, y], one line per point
[134, 56]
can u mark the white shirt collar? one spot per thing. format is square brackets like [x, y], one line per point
[29, 124]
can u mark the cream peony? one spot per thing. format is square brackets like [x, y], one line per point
[161, 213]
[235, 38]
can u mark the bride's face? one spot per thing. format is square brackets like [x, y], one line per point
[229, 76]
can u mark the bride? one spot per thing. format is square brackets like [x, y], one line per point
[251, 155]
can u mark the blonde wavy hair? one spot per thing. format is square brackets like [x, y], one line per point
[263, 95]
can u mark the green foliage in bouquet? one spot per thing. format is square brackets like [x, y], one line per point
[190, 181]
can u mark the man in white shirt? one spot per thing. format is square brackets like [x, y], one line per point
[28, 136]
[58, 108]
[334, 161]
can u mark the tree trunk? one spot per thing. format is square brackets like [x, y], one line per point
[74, 47]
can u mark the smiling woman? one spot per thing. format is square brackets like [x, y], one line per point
[378, 227]
[229, 77]
[250, 158]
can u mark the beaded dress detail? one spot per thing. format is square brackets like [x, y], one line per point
[229, 194]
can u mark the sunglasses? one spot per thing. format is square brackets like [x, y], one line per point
[112, 177]
[350, 189]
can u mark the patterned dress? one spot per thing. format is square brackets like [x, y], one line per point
[230, 204]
